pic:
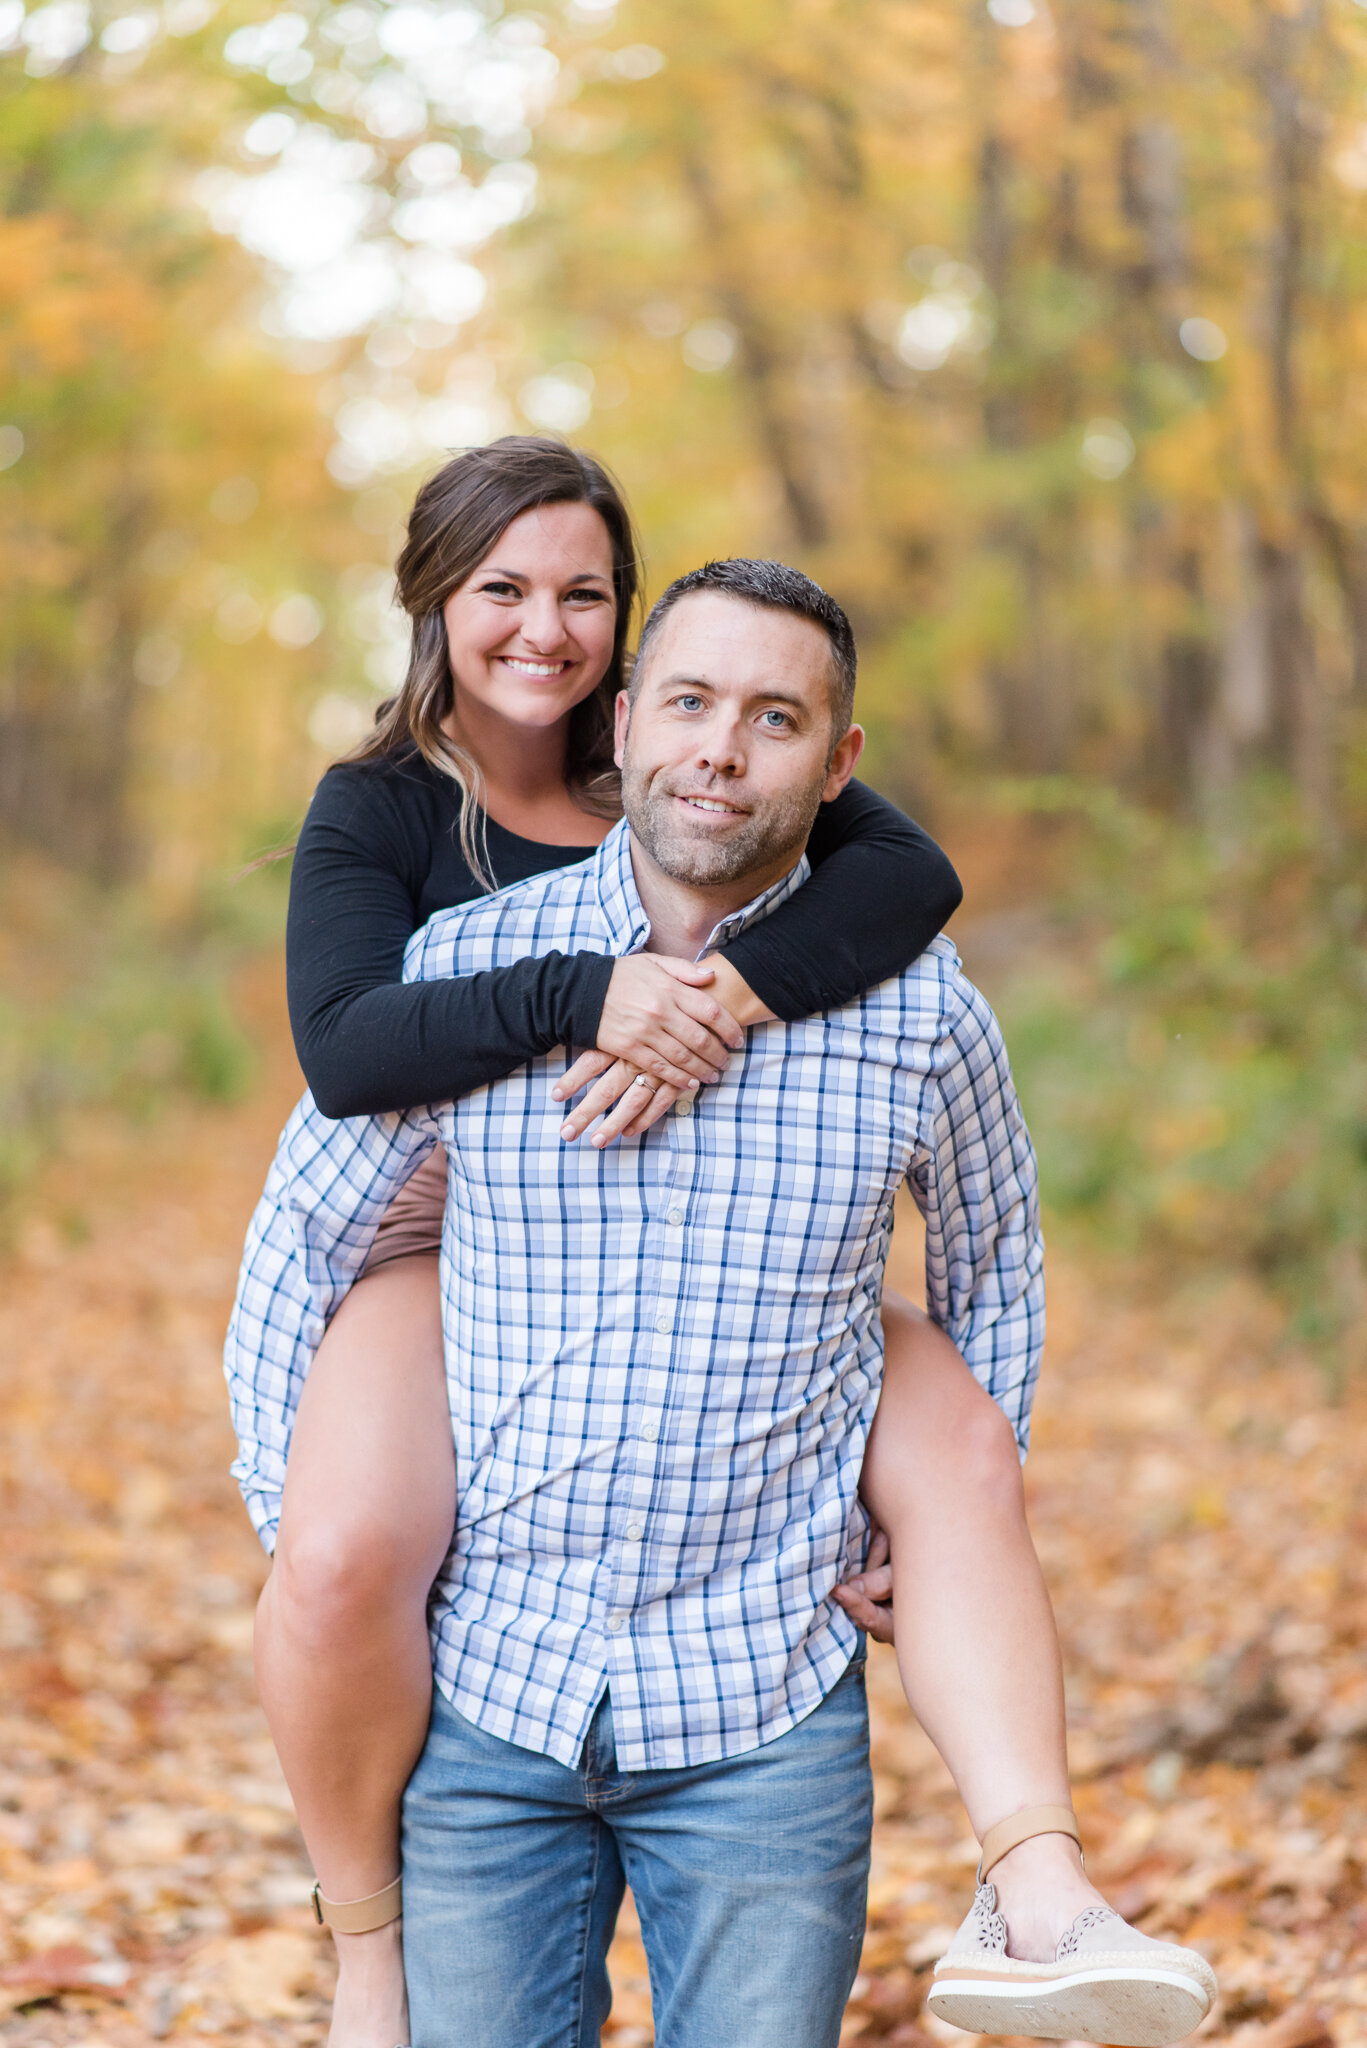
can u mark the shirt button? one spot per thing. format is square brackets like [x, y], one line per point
[615, 1622]
[676, 1217]
[634, 1532]
[684, 1106]
[664, 1324]
[649, 1432]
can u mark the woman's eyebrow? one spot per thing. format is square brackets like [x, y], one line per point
[521, 576]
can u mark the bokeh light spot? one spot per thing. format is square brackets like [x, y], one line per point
[1202, 339]
[561, 400]
[709, 345]
[128, 34]
[296, 621]
[1107, 449]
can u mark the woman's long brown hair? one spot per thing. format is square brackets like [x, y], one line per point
[457, 517]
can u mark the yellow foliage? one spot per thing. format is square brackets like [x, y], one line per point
[147, 717]
[1041, 337]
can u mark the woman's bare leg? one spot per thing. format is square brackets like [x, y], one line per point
[343, 1663]
[977, 1645]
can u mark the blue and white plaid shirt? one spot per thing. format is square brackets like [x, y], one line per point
[663, 1357]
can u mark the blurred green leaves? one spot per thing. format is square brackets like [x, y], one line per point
[108, 1007]
[1191, 1052]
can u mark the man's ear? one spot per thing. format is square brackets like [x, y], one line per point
[847, 751]
[619, 737]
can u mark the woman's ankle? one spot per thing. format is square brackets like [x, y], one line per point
[372, 1950]
[370, 2006]
[1041, 1888]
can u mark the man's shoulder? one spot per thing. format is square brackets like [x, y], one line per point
[933, 989]
[556, 908]
[930, 1013]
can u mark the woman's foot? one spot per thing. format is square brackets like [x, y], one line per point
[370, 2005]
[1041, 1954]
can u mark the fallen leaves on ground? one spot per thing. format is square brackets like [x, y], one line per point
[1197, 1499]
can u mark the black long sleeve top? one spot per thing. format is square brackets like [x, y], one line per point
[379, 853]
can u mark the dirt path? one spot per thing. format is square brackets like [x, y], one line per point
[1201, 1515]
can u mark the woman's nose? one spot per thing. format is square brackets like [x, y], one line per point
[542, 624]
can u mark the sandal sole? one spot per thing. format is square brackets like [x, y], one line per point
[1125, 2008]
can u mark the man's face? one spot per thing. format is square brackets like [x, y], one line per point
[725, 749]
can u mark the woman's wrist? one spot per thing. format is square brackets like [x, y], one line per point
[734, 992]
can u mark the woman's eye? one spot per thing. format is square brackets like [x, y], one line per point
[586, 596]
[499, 590]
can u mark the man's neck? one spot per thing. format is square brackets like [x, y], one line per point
[682, 916]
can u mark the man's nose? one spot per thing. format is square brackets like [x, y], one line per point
[720, 746]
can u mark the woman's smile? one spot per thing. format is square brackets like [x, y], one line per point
[524, 665]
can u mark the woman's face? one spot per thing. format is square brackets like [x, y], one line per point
[531, 631]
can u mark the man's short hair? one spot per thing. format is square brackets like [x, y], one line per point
[780, 589]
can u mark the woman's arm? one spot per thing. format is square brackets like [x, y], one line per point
[880, 890]
[369, 1043]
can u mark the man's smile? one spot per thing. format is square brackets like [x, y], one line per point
[714, 804]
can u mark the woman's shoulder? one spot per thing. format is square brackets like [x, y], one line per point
[401, 768]
[382, 784]
[391, 806]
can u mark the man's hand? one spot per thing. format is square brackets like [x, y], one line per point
[867, 1598]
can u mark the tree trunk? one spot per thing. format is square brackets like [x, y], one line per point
[760, 365]
[67, 733]
[1297, 723]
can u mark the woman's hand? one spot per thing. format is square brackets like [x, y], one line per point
[867, 1597]
[658, 1016]
[700, 1033]
[639, 1101]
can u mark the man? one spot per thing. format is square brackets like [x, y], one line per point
[664, 1361]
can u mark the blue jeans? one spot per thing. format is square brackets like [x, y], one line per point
[750, 1877]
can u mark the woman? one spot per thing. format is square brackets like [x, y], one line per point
[493, 763]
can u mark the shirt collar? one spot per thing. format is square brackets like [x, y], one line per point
[625, 915]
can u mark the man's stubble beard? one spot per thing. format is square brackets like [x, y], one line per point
[758, 843]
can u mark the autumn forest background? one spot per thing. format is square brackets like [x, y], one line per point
[1032, 328]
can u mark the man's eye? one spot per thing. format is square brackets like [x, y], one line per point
[777, 721]
[691, 702]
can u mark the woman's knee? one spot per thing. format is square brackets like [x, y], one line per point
[936, 1428]
[985, 1453]
[335, 1575]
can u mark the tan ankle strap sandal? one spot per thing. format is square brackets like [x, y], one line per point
[359, 1916]
[1107, 1982]
[1021, 1827]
